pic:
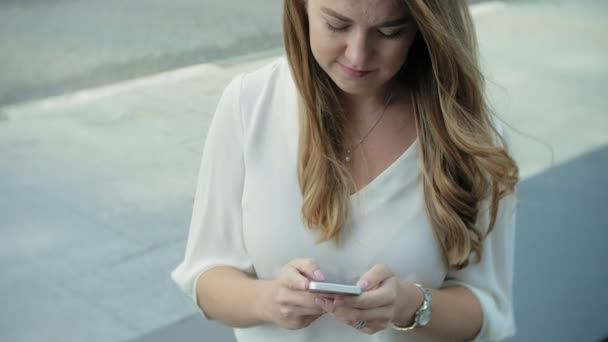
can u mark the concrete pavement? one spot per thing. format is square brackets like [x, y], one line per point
[56, 47]
[98, 188]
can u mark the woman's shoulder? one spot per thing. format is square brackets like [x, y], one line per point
[272, 76]
[260, 94]
[249, 92]
[269, 71]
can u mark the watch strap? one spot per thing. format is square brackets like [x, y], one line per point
[426, 305]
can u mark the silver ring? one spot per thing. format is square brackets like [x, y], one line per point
[360, 325]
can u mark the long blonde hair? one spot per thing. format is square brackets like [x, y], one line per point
[464, 158]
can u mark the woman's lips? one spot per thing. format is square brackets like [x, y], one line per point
[353, 72]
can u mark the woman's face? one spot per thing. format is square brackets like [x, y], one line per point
[361, 44]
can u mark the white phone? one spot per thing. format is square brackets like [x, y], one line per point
[323, 287]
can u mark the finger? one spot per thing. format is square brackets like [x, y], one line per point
[293, 280]
[307, 310]
[309, 319]
[372, 327]
[368, 300]
[355, 315]
[378, 314]
[373, 324]
[374, 277]
[309, 268]
[293, 276]
[304, 299]
[327, 304]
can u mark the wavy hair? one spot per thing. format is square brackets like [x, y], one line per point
[464, 158]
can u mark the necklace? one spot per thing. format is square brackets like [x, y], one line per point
[348, 155]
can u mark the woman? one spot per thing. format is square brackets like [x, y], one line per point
[367, 156]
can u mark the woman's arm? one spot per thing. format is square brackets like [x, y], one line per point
[478, 300]
[457, 313]
[230, 296]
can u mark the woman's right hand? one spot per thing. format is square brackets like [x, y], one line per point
[291, 305]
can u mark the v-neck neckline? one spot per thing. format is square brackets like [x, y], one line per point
[386, 172]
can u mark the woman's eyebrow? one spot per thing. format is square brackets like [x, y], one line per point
[395, 22]
[335, 14]
[390, 23]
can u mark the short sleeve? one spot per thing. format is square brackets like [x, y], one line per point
[215, 237]
[491, 280]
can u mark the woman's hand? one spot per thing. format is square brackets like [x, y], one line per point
[385, 299]
[289, 304]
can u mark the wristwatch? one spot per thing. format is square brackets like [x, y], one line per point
[423, 314]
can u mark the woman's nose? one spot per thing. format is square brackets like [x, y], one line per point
[358, 50]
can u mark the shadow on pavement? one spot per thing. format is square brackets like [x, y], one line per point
[560, 279]
[561, 272]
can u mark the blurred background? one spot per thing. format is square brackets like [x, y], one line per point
[58, 46]
[104, 108]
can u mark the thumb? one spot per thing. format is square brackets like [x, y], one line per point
[308, 268]
[374, 277]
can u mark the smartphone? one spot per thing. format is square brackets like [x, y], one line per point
[323, 287]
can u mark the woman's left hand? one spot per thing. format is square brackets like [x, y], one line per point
[385, 299]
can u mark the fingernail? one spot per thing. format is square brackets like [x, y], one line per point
[319, 275]
[320, 301]
[362, 284]
[303, 285]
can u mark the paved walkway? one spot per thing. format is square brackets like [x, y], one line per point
[98, 188]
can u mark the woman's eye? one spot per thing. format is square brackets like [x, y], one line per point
[337, 28]
[391, 34]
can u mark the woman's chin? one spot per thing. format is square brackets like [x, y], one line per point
[353, 88]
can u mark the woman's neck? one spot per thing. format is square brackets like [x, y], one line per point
[365, 104]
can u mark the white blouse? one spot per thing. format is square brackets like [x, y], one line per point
[247, 205]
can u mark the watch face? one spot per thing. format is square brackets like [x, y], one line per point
[424, 318]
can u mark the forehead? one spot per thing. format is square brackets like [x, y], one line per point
[365, 11]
